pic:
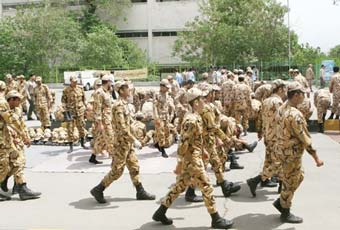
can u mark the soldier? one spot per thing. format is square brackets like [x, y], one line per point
[124, 153]
[42, 101]
[322, 101]
[73, 102]
[139, 129]
[263, 92]
[310, 76]
[174, 86]
[241, 102]
[292, 139]
[271, 166]
[11, 83]
[334, 88]
[256, 111]
[102, 107]
[18, 137]
[30, 85]
[306, 108]
[204, 81]
[22, 90]
[163, 113]
[192, 167]
[227, 87]
[302, 80]
[181, 103]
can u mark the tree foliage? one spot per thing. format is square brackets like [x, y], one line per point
[335, 52]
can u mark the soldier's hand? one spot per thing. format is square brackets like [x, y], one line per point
[219, 142]
[319, 163]
[100, 126]
[137, 144]
[27, 142]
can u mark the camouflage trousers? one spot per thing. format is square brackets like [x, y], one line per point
[193, 172]
[103, 140]
[164, 134]
[44, 115]
[214, 161]
[242, 117]
[24, 105]
[124, 154]
[148, 136]
[272, 163]
[336, 104]
[291, 178]
[4, 162]
[228, 110]
[79, 122]
[321, 107]
[12, 162]
[222, 154]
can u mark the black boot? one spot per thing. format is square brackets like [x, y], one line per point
[251, 147]
[321, 130]
[160, 216]
[4, 186]
[157, 146]
[15, 189]
[228, 188]
[252, 183]
[280, 187]
[4, 197]
[71, 147]
[93, 160]
[190, 196]
[163, 152]
[218, 222]
[268, 183]
[331, 117]
[234, 164]
[82, 143]
[233, 155]
[288, 217]
[277, 205]
[25, 193]
[98, 193]
[142, 194]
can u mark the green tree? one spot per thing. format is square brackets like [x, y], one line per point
[335, 52]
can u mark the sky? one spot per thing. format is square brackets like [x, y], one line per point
[315, 21]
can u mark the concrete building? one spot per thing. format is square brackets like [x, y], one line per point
[152, 24]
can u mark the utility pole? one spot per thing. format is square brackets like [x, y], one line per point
[289, 44]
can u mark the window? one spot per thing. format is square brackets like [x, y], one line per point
[133, 1]
[132, 34]
[165, 34]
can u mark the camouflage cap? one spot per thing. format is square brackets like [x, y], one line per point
[38, 78]
[193, 93]
[206, 90]
[106, 77]
[139, 114]
[296, 71]
[98, 82]
[170, 77]
[8, 76]
[278, 83]
[12, 94]
[120, 84]
[216, 88]
[295, 86]
[73, 79]
[20, 76]
[2, 85]
[165, 83]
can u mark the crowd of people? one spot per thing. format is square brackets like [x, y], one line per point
[207, 119]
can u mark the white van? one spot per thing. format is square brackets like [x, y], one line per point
[86, 78]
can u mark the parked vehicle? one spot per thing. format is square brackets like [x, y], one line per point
[86, 78]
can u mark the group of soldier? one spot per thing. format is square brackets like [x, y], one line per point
[206, 120]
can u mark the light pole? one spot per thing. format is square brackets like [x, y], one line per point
[289, 44]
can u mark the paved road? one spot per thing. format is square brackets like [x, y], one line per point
[65, 181]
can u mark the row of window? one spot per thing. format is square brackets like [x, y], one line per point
[145, 34]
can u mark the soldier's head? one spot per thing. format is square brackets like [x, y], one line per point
[97, 83]
[73, 81]
[296, 93]
[296, 72]
[336, 69]
[2, 86]
[208, 93]
[164, 86]
[139, 116]
[13, 98]
[279, 87]
[189, 84]
[310, 66]
[170, 79]
[195, 99]
[230, 75]
[21, 78]
[217, 91]
[9, 78]
[106, 81]
[249, 73]
[122, 88]
[38, 80]
[240, 78]
[32, 77]
[291, 72]
[205, 76]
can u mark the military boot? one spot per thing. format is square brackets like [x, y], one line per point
[82, 143]
[142, 194]
[251, 147]
[277, 205]
[15, 189]
[288, 217]
[163, 152]
[331, 117]
[27, 194]
[4, 186]
[234, 164]
[71, 147]
[252, 183]
[218, 222]
[268, 183]
[280, 187]
[321, 130]
[190, 196]
[93, 160]
[4, 197]
[160, 216]
[98, 193]
[228, 188]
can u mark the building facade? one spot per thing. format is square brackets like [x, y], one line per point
[152, 24]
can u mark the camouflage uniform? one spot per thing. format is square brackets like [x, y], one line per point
[163, 113]
[306, 108]
[190, 156]
[255, 113]
[335, 84]
[23, 92]
[124, 153]
[182, 107]
[241, 103]
[102, 108]
[310, 76]
[227, 87]
[11, 85]
[293, 139]
[42, 100]
[302, 80]
[263, 92]
[73, 101]
[322, 101]
[139, 131]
